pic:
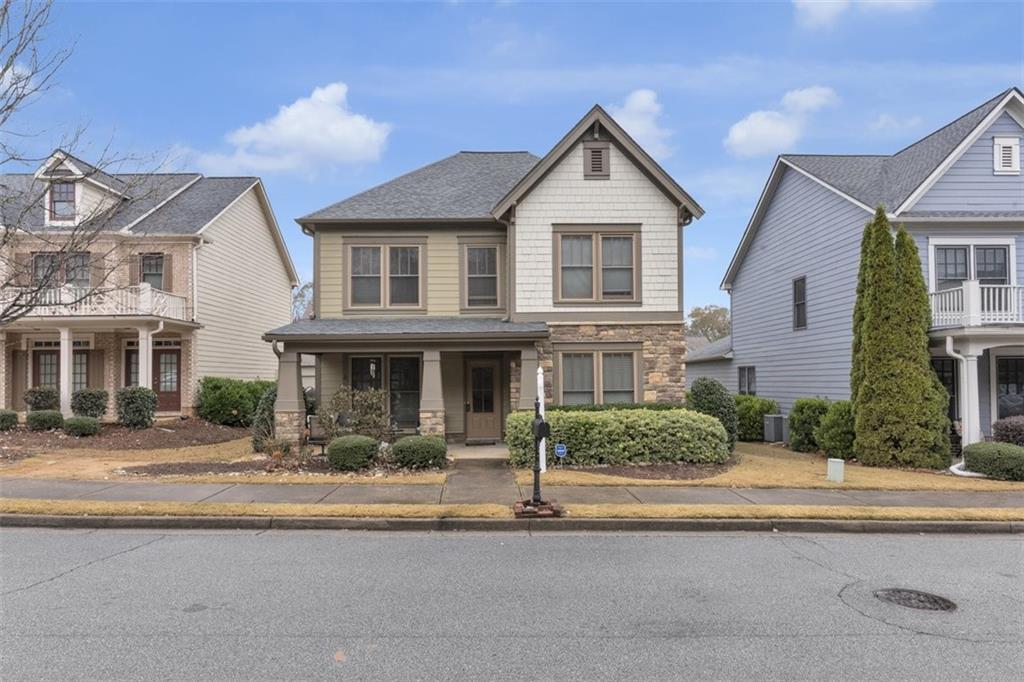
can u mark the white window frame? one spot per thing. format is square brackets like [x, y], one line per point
[998, 145]
[970, 243]
[63, 222]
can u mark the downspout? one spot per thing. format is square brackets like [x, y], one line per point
[960, 468]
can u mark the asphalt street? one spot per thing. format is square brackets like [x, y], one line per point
[106, 604]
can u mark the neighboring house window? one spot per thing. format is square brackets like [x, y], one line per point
[598, 377]
[385, 276]
[152, 269]
[800, 303]
[404, 389]
[1010, 387]
[597, 267]
[366, 275]
[404, 275]
[748, 381]
[951, 266]
[1006, 155]
[45, 269]
[76, 270]
[80, 371]
[482, 276]
[366, 373]
[596, 161]
[989, 264]
[62, 201]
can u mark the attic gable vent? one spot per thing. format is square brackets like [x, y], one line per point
[595, 161]
[1006, 155]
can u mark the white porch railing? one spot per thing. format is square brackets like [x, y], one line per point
[68, 301]
[975, 305]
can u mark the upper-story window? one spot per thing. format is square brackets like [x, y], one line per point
[482, 276]
[76, 270]
[45, 268]
[989, 264]
[597, 266]
[800, 303]
[62, 201]
[55, 269]
[385, 276]
[152, 269]
[1006, 155]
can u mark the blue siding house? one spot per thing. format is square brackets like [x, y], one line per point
[792, 281]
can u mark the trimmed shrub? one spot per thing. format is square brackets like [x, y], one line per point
[420, 452]
[622, 437]
[1004, 461]
[750, 412]
[89, 402]
[136, 406]
[835, 432]
[614, 406]
[804, 418]
[711, 397]
[42, 399]
[1009, 430]
[350, 453]
[230, 402]
[263, 419]
[81, 426]
[8, 420]
[44, 420]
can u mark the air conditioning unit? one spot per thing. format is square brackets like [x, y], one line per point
[776, 428]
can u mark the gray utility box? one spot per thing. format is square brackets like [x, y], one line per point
[776, 428]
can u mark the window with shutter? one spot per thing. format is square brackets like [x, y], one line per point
[595, 161]
[1006, 155]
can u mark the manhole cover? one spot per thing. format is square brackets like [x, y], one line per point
[914, 599]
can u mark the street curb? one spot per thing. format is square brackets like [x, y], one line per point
[497, 525]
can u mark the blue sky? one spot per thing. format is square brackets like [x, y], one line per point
[325, 100]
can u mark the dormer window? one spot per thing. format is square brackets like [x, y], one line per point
[1006, 155]
[62, 201]
[595, 161]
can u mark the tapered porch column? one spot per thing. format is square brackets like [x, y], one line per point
[528, 378]
[970, 401]
[431, 395]
[145, 357]
[65, 363]
[290, 408]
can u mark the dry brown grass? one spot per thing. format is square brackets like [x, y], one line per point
[287, 477]
[769, 466]
[778, 511]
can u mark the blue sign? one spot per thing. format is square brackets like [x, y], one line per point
[560, 450]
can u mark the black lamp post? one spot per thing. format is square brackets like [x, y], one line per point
[541, 430]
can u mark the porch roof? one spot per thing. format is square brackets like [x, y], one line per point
[409, 328]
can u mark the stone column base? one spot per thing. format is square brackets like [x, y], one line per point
[431, 423]
[290, 426]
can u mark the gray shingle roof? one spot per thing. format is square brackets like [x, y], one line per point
[89, 170]
[408, 326]
[463, 186]
[716, 350]
[189, 211]
[889, 180]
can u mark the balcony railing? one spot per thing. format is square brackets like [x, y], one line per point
[68, 301]
[975, 305]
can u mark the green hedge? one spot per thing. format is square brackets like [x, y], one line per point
[8, 420]
[1004, 461]
[350, 453]
[750, 412]
[420, 452]
[42, 399]
[81, 426]
[230, 402]
[803, 420]
[614, 406]
[709, 396]
[44, 420]
[622, 437]
[136, 407]
[835, 433]
[89, 402]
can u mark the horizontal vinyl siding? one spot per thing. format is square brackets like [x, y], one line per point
[329, 274]
[722, 371]
[243, 291]
[971, 185]
[807, 231]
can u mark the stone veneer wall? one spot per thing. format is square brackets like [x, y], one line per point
[431, 423]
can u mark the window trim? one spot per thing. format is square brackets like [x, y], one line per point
[596, 234]
[385, 246]
[596, 351]
[797, 327]
[493, 241]
[970, 242]
[1000, 142]
[743, 376]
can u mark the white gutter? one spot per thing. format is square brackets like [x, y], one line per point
[960, 468]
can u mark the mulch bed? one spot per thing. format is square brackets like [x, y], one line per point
[681, 471]
[178, 433]
[251, 466]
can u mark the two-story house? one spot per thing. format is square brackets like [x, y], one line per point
[137, 279]
[793, 279]
[449, 286]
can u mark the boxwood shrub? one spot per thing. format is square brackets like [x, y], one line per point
[42, 399]
[230, 402]
[803, 420]
[750, 412]
[622, 437]
[81, 426]
[44, 420]
[89, 402]
[709, 396]
[420, 452]
[8, 420]
[136, 406]
[1004, 461]
[1009, 430]
[835, 433]
[350, 453]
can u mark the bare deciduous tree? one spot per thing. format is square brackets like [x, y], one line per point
[710, 321]
[302, 301]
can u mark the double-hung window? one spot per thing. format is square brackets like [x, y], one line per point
[747, 381]
[76, 270]
[62, 201]
[482, 276]
[597, 266]
[951, 267]
[45, 269]
[385, 276]
[800, 303]
[597, 377]
[151, 267]
[987, 262]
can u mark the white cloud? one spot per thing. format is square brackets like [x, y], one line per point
[817, 14]
[771, 131]
[310, 133]
[700, 252]
[639, 115]
[888, 123]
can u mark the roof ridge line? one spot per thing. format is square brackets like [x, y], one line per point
[953, 122]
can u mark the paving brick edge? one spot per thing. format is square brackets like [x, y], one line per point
[533, 525]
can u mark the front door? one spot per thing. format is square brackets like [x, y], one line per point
[167, 379]
[483, 399]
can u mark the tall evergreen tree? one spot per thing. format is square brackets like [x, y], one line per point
[859, 310]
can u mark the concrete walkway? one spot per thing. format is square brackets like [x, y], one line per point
[478, 481]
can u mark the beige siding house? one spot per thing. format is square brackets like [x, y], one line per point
[173, 277]
[449, 286]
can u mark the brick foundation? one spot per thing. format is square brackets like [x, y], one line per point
[431, 422]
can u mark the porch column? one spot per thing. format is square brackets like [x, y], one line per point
[972, 303]
[431, 396]
[66, 358]
[145, 357]
[528, 378]
[970, 401]
[290, 407]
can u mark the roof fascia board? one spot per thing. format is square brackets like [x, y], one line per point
[958, 151]
[327, 222]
